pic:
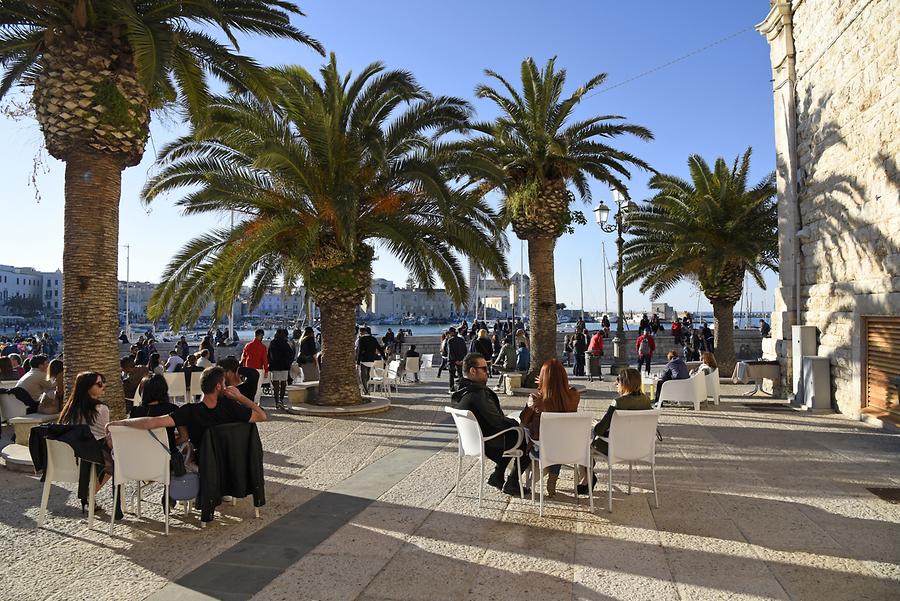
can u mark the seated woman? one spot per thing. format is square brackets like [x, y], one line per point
[707, 364]
[50, 402]
[155, 402]
[554, 395]
[85, 406]
[628, 386]
[154, 366]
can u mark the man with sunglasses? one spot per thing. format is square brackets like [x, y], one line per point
[474, 395]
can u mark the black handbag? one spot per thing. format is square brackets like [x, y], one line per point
[176, 459]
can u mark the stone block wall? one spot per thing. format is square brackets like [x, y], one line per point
[848, 144]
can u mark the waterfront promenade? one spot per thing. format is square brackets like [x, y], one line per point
[757, 502]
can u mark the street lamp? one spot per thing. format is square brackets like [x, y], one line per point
[601, 214]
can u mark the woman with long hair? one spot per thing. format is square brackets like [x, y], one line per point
[154, 366]
[307, 355]
[85, 407]
[50, 402]
[554, 395]
[707, 363]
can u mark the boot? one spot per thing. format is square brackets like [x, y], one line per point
[551, 484]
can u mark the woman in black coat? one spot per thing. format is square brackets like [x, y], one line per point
[281, 355]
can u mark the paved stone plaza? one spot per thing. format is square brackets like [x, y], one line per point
[756, 503]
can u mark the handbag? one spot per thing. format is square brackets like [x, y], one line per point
[176, 459]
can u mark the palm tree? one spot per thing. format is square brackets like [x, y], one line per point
[97, 68]
[531, 153]
[712, 230]
[320, 177]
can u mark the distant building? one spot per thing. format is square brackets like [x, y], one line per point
[25, 289]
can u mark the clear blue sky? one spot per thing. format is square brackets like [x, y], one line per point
[715, 103]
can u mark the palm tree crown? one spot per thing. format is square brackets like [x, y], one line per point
[535, 144]
[333, 168]
[712, 229]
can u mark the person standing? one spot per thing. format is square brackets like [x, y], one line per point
[708, 338]
[306, 355]
[645, 346]
[280, 358]
[255, 354]
[676, 331]
[579, 348]
[455, 348]
[367, 351]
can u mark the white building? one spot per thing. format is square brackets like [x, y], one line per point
[42, 289]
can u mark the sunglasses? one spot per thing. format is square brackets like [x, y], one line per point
[484, 367]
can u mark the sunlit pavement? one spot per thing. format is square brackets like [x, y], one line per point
[756, 502]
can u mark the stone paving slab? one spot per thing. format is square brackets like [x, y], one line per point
[767, 504]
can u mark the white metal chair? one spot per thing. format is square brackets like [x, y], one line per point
[713, 386]
[63, 467]
[138, 457]
[413, 366]
[10, 407]
[565, 439]
[471, 443]
[177, 385]
[632, 439]
[692, 390]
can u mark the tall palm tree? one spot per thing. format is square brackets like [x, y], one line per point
[531, 153]
[97, 68]
[713, 230]
[333, 168]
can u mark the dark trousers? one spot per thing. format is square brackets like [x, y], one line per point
[659, 384]
[442, 367]
[579, 365]
[494, 450]
[644, 360]
[455, 370]
[364, 377]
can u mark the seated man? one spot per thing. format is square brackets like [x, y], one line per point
[131, 377]
[35, 382]
[174, 363]
[203, 360]
[245, 379]
[676, 369]
[222, 404]
[473, 395]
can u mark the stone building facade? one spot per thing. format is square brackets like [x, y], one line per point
[835, 85]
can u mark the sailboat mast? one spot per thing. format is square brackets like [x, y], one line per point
[581, 287]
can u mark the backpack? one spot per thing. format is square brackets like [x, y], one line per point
[644, 348]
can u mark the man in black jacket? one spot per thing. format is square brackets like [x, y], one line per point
[474, 395]
[367, 351]
[455, 350]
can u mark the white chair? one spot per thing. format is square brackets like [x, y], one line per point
[177, 385]
[471, 443]
[427, 361]
[413, 366]
[136, 401]
[632, 439]
[713, 386]
[378, 377]
[10, 407]
[392, 377]
[138, 457]
[62, 467]
[692, 390]
[565, 439]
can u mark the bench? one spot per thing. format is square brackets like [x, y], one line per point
[302, 392]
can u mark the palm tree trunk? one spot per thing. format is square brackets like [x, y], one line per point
[90, 272]
[723, 316]
[542, 300]
[338, 384]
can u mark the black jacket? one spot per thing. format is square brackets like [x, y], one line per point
[483, 346]
[484, 404]
[455, 348]
[22, 395]
[308, 348]
[368, 350]
[281, 355]
[79, 437]
[231, 463]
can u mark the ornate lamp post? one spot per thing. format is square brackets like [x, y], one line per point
[601, 214]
